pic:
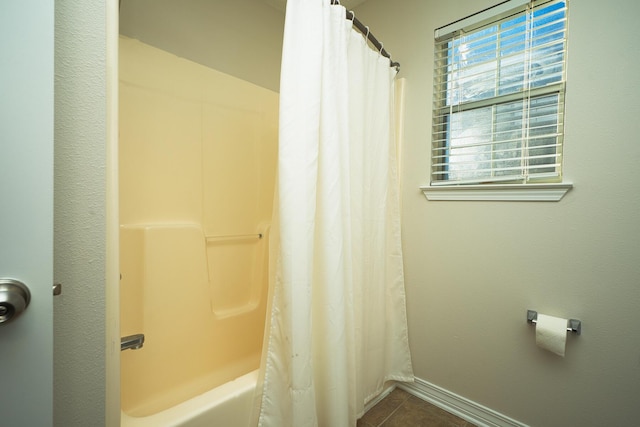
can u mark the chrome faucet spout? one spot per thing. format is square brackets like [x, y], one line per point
[133, 342]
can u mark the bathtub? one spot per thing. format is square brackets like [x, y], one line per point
[200, 301]
[228, 405]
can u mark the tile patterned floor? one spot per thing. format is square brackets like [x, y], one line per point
[401, 409]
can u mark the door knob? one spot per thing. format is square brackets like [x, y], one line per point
[14, 299]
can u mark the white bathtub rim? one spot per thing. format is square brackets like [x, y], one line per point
[182, 413]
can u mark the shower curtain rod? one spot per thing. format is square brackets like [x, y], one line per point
[365, 31]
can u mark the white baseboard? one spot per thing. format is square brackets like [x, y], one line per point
[458, 405]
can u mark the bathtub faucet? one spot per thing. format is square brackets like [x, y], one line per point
[133, 342]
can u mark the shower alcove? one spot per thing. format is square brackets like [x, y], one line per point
[197, 160]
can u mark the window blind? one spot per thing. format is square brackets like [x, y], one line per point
[498, 112]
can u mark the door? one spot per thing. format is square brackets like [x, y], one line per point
[26, 208]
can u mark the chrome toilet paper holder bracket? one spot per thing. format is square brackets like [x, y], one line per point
[573, 325]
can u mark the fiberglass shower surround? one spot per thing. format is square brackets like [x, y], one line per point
[194, 235]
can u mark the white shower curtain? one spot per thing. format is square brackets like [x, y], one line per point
[337, 328]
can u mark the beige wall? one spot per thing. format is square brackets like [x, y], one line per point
[474, 268]
[242, 38]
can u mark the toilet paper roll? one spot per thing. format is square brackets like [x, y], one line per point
[551, 334]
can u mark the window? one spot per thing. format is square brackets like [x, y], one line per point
[499, 85]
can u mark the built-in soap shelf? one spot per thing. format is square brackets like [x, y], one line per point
[225, 237]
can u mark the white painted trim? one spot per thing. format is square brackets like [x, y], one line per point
[112, 267]
[499, 192]
[471, 22]
[457, 405]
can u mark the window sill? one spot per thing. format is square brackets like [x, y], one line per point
[499, 192]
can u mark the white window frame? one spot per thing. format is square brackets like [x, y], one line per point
[525, 190]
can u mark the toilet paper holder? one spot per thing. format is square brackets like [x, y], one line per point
[573, 325]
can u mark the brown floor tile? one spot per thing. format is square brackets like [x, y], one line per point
[415, 412]
[383, 409]
[363, 423]
[401, 409]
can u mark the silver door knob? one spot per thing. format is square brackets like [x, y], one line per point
[14, 299]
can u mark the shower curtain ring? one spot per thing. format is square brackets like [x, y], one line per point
[381, 47]
[353, 15]
[366, 36]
